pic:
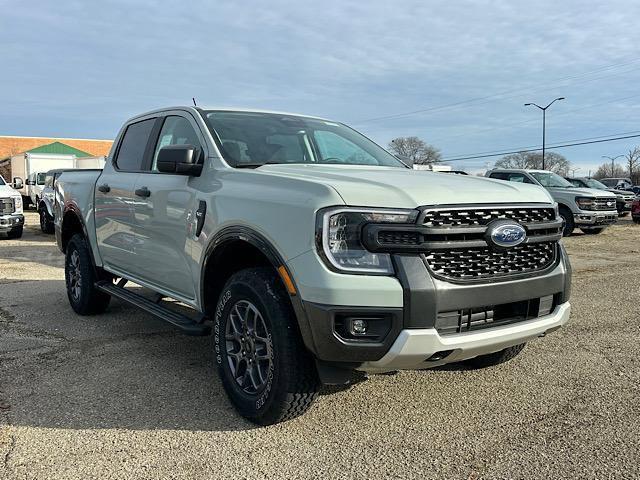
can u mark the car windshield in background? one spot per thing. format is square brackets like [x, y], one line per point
[550, 179]
[252, 139]
[2, 181]
[595, 184]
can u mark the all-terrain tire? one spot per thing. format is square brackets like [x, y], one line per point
[80, 278]
[15, 232]
[254, 319]
[495, 358]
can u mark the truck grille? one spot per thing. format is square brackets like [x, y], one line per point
[6, 206]
[603, 204]
[452, 240]
[474, 263]
[482, 216]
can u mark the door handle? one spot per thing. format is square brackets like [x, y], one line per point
[143, 192]
[104, 188]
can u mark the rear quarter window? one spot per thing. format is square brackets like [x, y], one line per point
[130, 155]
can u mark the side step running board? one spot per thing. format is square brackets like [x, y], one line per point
[184, 323]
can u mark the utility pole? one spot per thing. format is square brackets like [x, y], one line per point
[544, 120]
[613, 159]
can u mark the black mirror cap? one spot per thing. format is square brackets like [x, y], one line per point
[17, 183]
[180, 159]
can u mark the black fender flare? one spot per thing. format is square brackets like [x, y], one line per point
[256, 239]
[71, 208]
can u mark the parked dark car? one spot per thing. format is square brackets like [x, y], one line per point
[635, 210]
[623, 197]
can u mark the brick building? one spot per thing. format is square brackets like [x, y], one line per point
[10, 146]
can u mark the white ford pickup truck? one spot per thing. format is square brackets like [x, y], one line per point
[312, 254]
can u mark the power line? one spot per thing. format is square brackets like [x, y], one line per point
[527, 122]
[495, 95]
[525, 150]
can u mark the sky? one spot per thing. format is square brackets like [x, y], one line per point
[455, 74]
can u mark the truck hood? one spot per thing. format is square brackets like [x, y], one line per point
[7, 191]
[360, 185]
[584, 191]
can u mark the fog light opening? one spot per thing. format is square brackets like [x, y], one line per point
[358, 326]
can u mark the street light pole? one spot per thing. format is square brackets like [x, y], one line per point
[544, 123]
[613, 159]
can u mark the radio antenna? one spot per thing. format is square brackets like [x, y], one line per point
[194, 101]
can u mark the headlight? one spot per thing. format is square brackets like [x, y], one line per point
[339, 238]
[17, 204]
[586, 203]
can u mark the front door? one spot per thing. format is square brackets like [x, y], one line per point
[165, 215]
[115, 199]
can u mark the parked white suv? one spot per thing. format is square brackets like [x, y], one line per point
[11, 217]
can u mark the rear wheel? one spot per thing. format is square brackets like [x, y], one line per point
[265, 369]
[81, 276]
[495, 358]
[592, 231]
[569, 224]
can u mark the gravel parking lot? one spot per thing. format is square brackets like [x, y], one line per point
[122, 395]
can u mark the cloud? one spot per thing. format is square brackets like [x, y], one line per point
[80, 68]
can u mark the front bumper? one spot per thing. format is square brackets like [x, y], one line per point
[595, 219]
[426, 304]
[413, 348]
[11, 221]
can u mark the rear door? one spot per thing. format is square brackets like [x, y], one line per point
[115, 198]
[165, 217]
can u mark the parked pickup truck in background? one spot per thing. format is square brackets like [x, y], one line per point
[624, 198]
[588, 209]
[311, 253]
[11, 217]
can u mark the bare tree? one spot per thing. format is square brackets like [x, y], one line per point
[553, 161]
[633, 159]
[416, 149]
[605, 171]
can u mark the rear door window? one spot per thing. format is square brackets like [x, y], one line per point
[133, 146]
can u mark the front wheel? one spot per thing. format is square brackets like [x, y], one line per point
[592, 231]
[46, 222]
[495, 358]
[265, 369]
[569, 225]
[15, 232]
[80, 278]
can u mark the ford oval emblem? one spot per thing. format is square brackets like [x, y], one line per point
[506, 234]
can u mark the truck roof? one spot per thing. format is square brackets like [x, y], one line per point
[225, 109]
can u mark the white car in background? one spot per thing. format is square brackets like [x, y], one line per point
[11, 217]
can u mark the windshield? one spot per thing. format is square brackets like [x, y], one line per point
[550, 179]
[249, 139]
[595, 184]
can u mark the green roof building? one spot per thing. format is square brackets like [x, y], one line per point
[59, 148]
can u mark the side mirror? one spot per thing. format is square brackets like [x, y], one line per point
[406, 160]
[17, 183]
[180, 160]
[31, 182]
